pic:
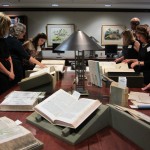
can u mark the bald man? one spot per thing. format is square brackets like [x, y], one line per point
[134, 22]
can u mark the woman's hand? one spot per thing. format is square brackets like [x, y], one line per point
[146, 87]
[134, 64]
[118, 60]
[127, 61]
[11, 76]
[42, 65]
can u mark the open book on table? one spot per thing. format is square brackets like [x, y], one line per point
[140, 100]
[49, 70]
[58, 68]
[21, 101]
[53, 62]
[113, 67]
[61, 108]
[16, 137]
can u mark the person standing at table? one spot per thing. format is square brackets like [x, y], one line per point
[130, 47]
[6, 66]
[33, 48]
[17, 51]
[142, 33]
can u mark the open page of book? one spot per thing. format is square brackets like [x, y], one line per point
[53, 62]
[113, 67]
[121, 67]
[59, 68]
[63, 109]
[19, 99]
[13, 136]
[118, 70]
[105, 65]
[41, 71]
[139, 97]
[55, 104]
[77, 112]
[23, 94]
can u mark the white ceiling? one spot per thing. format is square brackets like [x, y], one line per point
[127, 4]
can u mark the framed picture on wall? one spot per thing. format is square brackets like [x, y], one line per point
[111, 34]
[57, 33]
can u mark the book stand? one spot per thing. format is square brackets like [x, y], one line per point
[90, 126]
[106, 115]
[133, 79]
[43, 82]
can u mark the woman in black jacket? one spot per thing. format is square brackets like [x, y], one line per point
[141, 64]
[6, 67]
[17, 51]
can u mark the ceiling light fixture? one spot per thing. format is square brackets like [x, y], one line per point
[5, 5]
[108, 5]
[55, 5]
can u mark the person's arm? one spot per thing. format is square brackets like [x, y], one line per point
[136, 46]
[34, 61]
[120, 59]
[11, 65]
[137, 63]
[146, 87]
[7, 72]
[130, 60]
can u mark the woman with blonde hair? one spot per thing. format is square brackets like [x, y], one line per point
[130, 47]
[6, 66]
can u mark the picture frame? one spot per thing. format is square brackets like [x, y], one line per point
[57, 33]
[111, 34]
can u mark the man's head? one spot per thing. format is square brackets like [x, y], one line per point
[134, 22]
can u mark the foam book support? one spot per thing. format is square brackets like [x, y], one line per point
[105, 115]
[44, 82]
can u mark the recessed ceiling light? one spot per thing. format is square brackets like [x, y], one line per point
[5, 5]
[55, 5]
[108, 5]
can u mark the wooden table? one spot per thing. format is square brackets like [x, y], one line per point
[106, 139]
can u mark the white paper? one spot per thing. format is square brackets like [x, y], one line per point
[122, 82]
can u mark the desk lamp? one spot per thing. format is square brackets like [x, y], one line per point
[79, 42]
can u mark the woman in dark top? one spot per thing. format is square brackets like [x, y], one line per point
[34, 47]
[141, 64]
[147, 65]
[130, 47]
[6, 67]
[17, 51]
